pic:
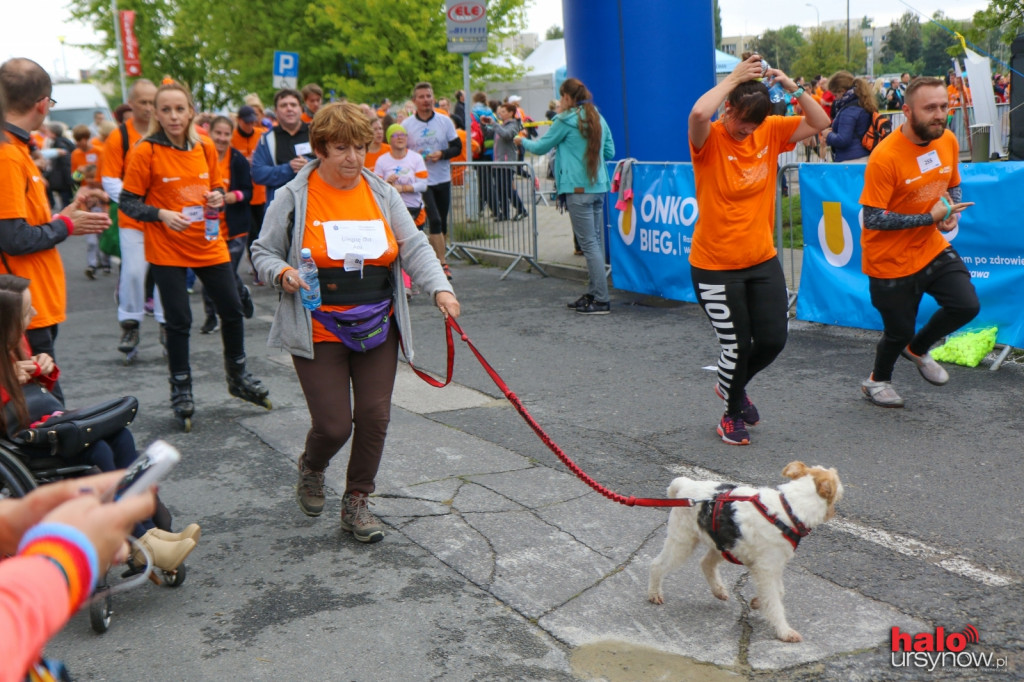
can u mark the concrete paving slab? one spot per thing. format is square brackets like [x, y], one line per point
[456, 543]
[610, 529]
[414, 394]
[536, 487]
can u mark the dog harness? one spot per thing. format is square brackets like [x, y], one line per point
[793, 535]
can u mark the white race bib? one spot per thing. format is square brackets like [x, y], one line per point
[303, 149]
[90, 158]
[366, 239]
[193, 214]
[929, 161]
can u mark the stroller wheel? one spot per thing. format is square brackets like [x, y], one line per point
[175, 578]
[99, 615]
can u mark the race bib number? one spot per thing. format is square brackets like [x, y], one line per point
[347, 239]
[929, 161]
[303, 149]
[193, 214]
[90, 158]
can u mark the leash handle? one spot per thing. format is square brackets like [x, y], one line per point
[451, 359]
[451, 324]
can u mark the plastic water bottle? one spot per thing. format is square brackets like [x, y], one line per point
[212, 217]
[311, 276]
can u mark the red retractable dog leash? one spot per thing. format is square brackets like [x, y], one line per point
[630, 501]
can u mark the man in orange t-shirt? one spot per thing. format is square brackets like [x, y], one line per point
[911, 197]
[131, 283]
[29, 232]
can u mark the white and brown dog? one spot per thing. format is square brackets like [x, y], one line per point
[757, 527]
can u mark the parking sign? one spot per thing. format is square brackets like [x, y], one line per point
[286, 69]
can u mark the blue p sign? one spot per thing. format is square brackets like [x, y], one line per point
[286, 69]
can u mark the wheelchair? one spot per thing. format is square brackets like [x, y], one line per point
[21, 471]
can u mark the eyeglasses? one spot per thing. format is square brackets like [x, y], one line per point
[53, 102]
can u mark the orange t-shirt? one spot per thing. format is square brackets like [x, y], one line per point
[247, 145]
[93, 155]
[903, 177]
[114, 161]
[23, 195]
[459, 171]
[371, 157]
[736, 194]
[327, 204]
[177, 180]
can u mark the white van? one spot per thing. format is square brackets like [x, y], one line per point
[77, 102]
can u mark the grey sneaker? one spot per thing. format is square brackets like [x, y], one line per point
[932, 371]
[881, 393]
[310, 490]
[356, 517]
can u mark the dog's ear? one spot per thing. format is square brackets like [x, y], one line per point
[795, 470]
[826, 482]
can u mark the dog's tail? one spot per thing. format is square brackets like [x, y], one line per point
[677, 485]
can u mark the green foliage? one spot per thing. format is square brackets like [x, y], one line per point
[899, 64]
[792, 223]
[717, 13]
[904, 38]
[1004, 15]
[554, 33]
[941, 44]
[825, 53]
[364, 49]
[781, 47]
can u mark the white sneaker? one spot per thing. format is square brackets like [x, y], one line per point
[881, 393]
[932, 371]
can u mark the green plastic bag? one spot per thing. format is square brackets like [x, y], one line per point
[967, 349]
[110, 238]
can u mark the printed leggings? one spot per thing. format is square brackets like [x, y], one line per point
[748, 311]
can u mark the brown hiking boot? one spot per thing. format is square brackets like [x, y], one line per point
[310, 490]
[356, 517]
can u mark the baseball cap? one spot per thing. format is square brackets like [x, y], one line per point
[248, 114]
[514, 99]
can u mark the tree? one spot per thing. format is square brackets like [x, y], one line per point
[1007, 15]
[782, 47]
[554, 33]
[717, 13]
[365, 49]
[940, 44]
[904, 38]
[825, 53]
[866, 22]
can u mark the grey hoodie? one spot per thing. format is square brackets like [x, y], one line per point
[280, 244]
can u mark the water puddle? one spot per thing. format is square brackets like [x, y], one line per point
[617, 661]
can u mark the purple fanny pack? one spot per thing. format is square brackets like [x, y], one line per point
[361, 328]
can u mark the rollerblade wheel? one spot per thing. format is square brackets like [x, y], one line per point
[186, 424]
[267, 404]
[100, 614]
[175, 578]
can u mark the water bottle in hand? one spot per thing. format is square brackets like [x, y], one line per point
[212, 217]
[311, 276]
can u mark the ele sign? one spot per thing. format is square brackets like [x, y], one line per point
[466, 22]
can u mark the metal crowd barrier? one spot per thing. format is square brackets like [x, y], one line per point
[493, 211]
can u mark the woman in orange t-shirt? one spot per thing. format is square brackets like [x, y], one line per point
[736, 276]
[378, 147]
[344, 345]
[171, 181]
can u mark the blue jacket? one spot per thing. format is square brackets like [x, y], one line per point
[264, 169]
[848, 127]
[571, 169]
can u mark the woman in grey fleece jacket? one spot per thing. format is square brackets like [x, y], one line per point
[327, 369]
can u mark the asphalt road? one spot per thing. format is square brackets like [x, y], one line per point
[928, 535]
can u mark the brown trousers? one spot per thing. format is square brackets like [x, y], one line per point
[325, 382]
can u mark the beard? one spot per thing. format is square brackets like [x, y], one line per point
[924, 130]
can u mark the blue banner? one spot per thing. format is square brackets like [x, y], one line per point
[649, 240]
[833, 290]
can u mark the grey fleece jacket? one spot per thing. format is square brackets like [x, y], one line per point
[280, 244]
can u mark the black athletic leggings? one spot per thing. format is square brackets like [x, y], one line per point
[438, 200]
[748, 311]
[947, 280]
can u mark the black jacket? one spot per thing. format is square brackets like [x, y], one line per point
[237, 215]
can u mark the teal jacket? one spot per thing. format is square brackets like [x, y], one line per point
[570, 167]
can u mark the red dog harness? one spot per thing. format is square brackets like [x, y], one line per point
[793, 535]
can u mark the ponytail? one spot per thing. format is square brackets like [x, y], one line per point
[589, 124]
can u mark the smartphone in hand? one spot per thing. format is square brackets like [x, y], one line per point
[145, 472]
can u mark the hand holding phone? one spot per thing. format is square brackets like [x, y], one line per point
[148, 470]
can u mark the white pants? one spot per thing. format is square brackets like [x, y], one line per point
[131, 288]
[95, 258]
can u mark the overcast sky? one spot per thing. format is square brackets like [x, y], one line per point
[739, 17]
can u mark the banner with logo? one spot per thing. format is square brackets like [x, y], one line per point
[833, 290]
[129, 43]
[649, 241]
